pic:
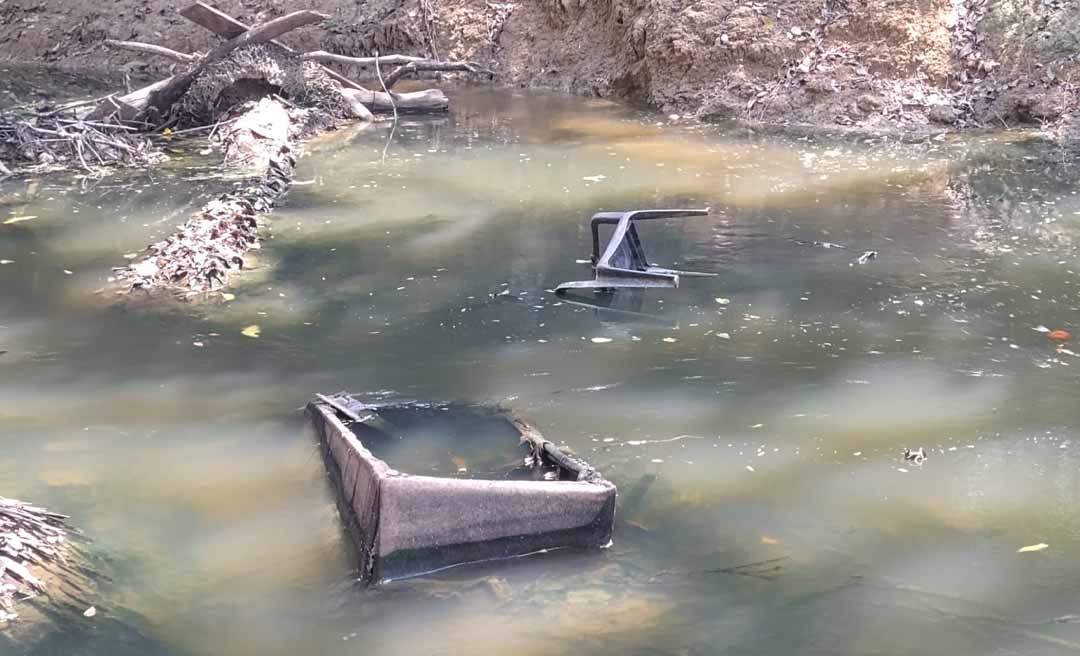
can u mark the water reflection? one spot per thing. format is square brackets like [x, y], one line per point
[768, 406]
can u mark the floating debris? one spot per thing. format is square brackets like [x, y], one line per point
[30, 538]
[917, 456]
[866, 257]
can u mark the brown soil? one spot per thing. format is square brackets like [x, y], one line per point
[914, 65]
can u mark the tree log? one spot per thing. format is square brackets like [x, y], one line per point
[152, 49]
[430, 100]
[257, 136]
[128, 106]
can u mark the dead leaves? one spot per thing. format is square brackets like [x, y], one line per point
[252, 331]
[1032, 548]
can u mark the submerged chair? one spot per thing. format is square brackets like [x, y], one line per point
[623, 264]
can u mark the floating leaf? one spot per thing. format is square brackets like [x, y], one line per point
[18, 219]
[251, 331]
[1033, 547]
[90, 612]
[1059, 335]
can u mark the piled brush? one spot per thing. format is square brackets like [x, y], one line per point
[201, 254]
[30, 538]
[254, 72]
[49, 139]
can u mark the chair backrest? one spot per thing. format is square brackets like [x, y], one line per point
[624, 249]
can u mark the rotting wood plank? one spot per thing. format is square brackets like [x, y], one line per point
[214, 20]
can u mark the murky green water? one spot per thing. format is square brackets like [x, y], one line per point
[772, 403]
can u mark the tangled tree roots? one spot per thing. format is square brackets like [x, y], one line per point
[30, 538]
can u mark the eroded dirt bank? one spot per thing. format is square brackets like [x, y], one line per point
[910, 64]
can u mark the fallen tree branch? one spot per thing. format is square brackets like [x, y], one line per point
[152, 49]
[434, 66]
[164, 97]
[228, 27]
[407, 64]
[363, 62]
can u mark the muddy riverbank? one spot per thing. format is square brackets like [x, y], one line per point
[918, 67]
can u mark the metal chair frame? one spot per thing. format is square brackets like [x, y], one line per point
[623, 264]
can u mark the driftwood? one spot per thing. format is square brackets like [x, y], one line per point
[434, 66]
[127, 107]
[431, 100]
[164, 98]
[406, 64]
[361, 62]
[152, 49]
[228, 27]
